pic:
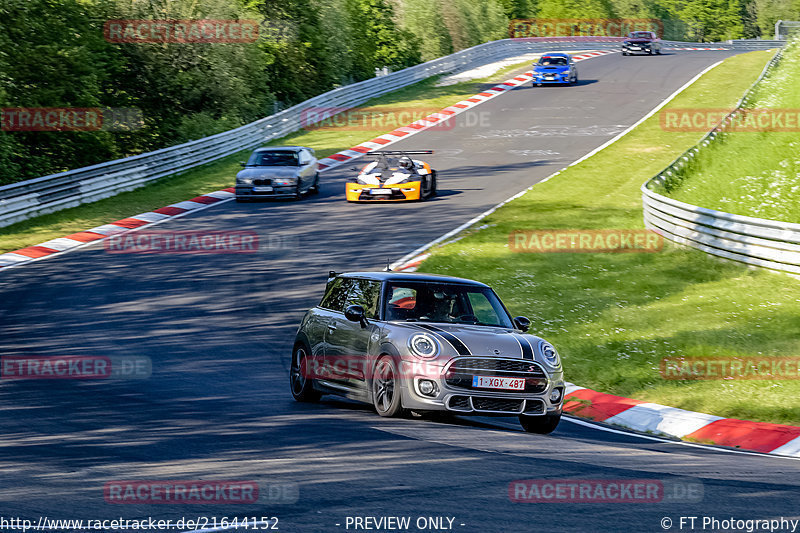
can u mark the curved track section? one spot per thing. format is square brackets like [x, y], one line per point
[218, 329]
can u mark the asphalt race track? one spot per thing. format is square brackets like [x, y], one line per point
[219, 328]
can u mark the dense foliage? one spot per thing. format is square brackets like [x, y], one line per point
[53, 53]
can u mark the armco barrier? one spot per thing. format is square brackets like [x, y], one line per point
[755, 241]
[20, 201]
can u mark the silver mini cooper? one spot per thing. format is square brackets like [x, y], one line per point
[423, 342]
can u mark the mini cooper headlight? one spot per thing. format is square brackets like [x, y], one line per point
[423, 345]
[549, 354]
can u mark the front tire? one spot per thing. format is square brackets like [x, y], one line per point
[315, 188]
[302, 386]
[540, 424]
[386, 388]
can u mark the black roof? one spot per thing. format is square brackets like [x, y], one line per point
[280, 148]
[410, 276]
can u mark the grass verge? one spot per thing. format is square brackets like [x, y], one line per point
[614, 317]
[380, 114]
[754, 172]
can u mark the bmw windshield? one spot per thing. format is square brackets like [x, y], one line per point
[283, 158]
[445, 302]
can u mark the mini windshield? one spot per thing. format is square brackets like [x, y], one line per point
[283, 158]
[445, 302]
[548, 61]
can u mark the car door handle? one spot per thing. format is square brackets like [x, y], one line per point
[331, 327]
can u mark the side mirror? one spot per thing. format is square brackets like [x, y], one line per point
[356, 313]
[242, 163]
[522, 323]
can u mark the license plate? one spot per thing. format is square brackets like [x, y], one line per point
[493, 382]
[635, 48]
[380, 191]
[262, 189]
[549, 78]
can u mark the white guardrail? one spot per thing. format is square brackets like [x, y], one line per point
[26, 199]
[755, 241]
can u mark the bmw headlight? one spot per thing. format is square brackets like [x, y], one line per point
[549, 354]
[284, 181]
[423, 345]
[245, 181]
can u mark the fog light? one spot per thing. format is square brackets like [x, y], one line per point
[555, 396]
[427, 387]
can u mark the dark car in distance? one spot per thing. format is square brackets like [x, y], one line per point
[278, 172]
[423, 342]
[646, 42]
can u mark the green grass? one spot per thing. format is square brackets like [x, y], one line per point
[753, 172]
[613, 317]
[423, 97]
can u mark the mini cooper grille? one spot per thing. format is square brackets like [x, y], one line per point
[460, 403]
[460, 373]
[534, 407]
[497, 404]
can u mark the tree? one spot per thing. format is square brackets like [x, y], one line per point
[713, 20]
[570, 9]
[53, 55]
[424, 19]
[378, 40]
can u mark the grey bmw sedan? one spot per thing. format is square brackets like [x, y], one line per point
[278, 172]
[423, 342]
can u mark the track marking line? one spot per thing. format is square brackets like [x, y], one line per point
[397, 265]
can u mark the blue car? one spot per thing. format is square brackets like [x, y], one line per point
[555, 68]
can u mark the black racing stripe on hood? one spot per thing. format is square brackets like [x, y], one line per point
[527, 349]
[460, 347]
[436, 334]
